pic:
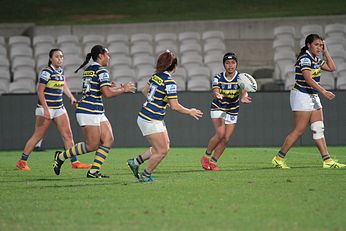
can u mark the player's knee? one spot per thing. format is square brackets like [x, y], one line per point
[317, 129]
[92, 147]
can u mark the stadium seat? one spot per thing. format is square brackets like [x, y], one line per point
[5, 75]
[163, 46]
[123, 73]
[284, 32]
[181, 83]
[19, 40]
[144, 72]
[213, 57]
[180, 73]
[2, 41]
[141, 37]
[327, 80]
[289, 81]
[141, 83]
[279, 67]
[196, 84]
[93, 39]
[211, 47]
[22, 86]
[120, 60]
[75, 84]
[198, 72]
[143, 60]
[117, 38]
[4, 63]
[73, 61]
[193, 48]
[284, 43]
[41, 62]
[191, 60]
[331, 40]
[18, 50]
[311, 29]
[341, 82]
[25, 74]
[4, 86]
[212, 35]
[341, 70]
[67, 39]
[3, 50]
[335, 29]
[116, 48]
[42, 49]
[164, 37]
[215, 68]
[43, 39]
[21, 63]
[189, 35]
[71, 48]
[138, 49]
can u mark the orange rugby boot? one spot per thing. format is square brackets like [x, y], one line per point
[79, 165]
[22, 165]
[213, 166]
[205, 162]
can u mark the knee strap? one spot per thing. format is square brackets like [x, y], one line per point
[317, 129]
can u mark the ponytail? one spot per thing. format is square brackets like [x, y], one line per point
[94, 53]
[86, 61]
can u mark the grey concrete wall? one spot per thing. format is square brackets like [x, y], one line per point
[265, 122]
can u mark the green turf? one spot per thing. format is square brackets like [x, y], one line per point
[247, 195]
[130, 11]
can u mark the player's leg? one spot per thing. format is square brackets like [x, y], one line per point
[63, 125]
[220, 148]
[41, 127]
[160, 146]
[317, 127]
[134, 163]
[106, 141]
[92, 134]
[301, 120]
[219, 127]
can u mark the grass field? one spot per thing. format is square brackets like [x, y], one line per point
[247, 195]
[133, 11]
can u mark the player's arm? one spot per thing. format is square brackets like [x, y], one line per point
[216, 93]
[42, 99]
[109, 91]
[312, 83]
[145, 90]
[176, 106]
[245, 98]
[329, 64]
[69, 94]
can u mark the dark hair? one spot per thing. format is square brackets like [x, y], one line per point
[308, 40]
[94, 53]
[166, 61]
[51, 53]
[229, 56]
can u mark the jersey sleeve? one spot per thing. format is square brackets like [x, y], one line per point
[44, 76]
[103, 77]
[171, 89]
[215, 83]
[305, 63]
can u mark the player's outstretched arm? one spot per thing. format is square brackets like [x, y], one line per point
[109, 91]
[176, 106]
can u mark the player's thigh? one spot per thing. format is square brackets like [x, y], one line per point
[106, 132]
[92, 136]
[63, 125]
[229, 130]
[301, 119]
[219, 126]
[159, 141]
[316, 116]
[41, 125]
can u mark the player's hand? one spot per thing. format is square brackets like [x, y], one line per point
[195, 113]
[328, 95]
[129, 87]
[113, 84]
[46, 114]
[246, 100]
[73, 101]
[217, 95]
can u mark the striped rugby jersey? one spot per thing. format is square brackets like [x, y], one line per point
[162, 88]
[307, 62]
[54, 81]
[94, 78]
[230, 91]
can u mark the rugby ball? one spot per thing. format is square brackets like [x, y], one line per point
[247, 82]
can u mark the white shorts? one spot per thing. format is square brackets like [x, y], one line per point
[150, 127]
[304, 102]
[84, 119]
[53, 112]
[229, 119]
